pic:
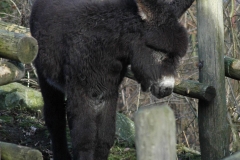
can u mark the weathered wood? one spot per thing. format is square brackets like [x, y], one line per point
[212, 116]
[14, 28]
[16, 46]
[15, 152]
[10, 72]
[155, 133]
[232, 67]
[194, 89]
[188, 88]
[235, 156]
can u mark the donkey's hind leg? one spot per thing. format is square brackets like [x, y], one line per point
[55, 119]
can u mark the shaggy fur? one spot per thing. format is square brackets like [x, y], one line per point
[84, 49]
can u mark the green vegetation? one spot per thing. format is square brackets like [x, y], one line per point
[5, 7]
[122, 153]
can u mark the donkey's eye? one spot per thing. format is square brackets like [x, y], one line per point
[159, 56]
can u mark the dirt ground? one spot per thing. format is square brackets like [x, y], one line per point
[23, 127]
[26, 128]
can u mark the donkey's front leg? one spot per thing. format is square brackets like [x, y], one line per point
[106, 126]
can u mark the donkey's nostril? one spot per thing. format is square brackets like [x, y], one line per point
[168, 89]
[161, 91]
[163, 87]
[154, 88]
[156, 91]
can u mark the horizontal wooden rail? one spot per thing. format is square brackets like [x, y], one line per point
[232, 67]
[194, 89]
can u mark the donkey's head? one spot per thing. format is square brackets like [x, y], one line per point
[164, 43]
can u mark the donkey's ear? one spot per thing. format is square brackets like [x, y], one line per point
[181, 7]
[144, 8]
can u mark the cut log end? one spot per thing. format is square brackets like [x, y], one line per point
[210, 93]
[232, 67]
[27, 49]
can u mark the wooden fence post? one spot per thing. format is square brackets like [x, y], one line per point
[155, 133]
[213, 125]
[235, 156]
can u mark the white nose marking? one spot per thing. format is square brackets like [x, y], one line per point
[167, 81]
